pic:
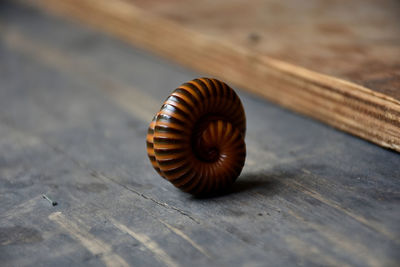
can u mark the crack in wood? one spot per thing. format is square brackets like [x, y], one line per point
[100, 175]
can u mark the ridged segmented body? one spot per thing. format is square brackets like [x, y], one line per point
[196, 140]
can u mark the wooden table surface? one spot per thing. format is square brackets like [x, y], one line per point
[74, 109]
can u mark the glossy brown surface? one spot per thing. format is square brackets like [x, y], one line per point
[196, 140]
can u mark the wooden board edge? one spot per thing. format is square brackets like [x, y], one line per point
[342, 104]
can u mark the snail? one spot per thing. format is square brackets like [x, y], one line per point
[196, 140]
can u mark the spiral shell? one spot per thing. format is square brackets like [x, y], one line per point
[196, 140]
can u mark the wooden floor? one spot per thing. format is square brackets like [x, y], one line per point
[74, 109]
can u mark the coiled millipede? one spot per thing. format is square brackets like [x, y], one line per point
[196, 140]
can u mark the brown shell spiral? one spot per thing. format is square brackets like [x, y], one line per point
[196, 140]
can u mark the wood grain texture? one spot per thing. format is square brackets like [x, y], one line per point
[74, 111]
[334, 61]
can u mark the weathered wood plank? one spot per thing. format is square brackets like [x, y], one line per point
[73, 125]
[342, 58]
